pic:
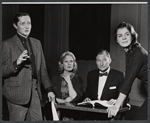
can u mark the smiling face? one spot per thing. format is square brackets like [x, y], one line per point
[68, 63]
[124, 37]
[23, 26]
[103, 61]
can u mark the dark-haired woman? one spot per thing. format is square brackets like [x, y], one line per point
[136, 67]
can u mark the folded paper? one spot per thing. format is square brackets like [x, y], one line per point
[54, 112]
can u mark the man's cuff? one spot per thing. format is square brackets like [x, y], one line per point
[16, 67]
[49, 89]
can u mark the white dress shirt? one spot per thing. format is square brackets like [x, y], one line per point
[101, 83]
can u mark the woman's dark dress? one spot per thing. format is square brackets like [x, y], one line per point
[137, 67]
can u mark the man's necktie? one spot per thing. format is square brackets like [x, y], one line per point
[103, 74]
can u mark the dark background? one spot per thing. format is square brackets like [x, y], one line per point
[89, 27]
[89, 30]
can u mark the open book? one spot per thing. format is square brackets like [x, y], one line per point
[95, 103]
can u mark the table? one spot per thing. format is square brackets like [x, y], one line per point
[71, 106]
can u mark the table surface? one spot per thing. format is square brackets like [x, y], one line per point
[72, 106]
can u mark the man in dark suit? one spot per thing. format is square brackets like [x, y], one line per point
[103, 83]
[23, 71]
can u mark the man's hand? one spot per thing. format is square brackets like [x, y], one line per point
[86, 99]
[51, 96]
[111, 102]
[23, 57]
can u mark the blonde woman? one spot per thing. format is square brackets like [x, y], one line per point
[67, 84]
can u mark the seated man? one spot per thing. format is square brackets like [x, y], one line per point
[103, 84]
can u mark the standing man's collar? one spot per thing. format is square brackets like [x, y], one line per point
[22, 35]
[22, 38]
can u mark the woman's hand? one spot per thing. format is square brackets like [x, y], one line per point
[68, 99]
[60, 100]
[72, 92]
[67, 78]
[112, 111]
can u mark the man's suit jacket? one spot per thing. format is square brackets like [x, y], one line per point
[18, 84]
[111, 88]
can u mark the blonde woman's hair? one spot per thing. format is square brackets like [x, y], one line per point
[60, 62]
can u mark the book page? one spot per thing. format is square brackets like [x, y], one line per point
[102, 102]
[88, 102]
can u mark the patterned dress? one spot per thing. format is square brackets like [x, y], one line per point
[64, 89]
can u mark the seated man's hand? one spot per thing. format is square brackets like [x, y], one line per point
[86, 99]
[111, 102]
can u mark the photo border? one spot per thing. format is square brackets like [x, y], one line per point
[78, 1]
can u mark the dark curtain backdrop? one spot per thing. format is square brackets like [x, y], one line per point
[36, 13]
[89, 30]
[89, 26]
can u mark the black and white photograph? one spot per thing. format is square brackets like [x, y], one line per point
[74, 61]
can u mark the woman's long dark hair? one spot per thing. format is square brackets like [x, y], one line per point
[132, 31]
